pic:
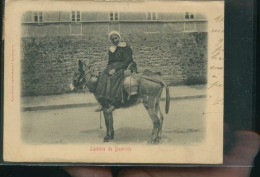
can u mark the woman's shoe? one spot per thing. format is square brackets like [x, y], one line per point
[100, 108]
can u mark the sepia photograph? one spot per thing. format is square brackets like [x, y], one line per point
[114, 82]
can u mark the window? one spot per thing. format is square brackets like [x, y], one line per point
[151, 16]
[189, 15]
[76, 28]
[75, 16]
[114, 16]
[37, 17]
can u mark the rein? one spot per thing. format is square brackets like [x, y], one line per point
[89, 77]
[87, 81]
[84, 84]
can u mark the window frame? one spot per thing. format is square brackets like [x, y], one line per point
[39, 16]
[151, 16]
[189, 16]
[114, 13]
[76, 13]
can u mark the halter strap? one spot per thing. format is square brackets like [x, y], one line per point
[91, 75]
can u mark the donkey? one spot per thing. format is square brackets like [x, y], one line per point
[150, 87]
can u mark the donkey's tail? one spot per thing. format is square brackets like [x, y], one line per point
[167, 106]
[161, 81]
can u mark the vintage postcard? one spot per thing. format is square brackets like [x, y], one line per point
[114, 82]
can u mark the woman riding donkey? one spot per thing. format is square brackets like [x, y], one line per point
[109, 90]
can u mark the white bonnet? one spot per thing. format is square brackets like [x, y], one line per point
[114, 32]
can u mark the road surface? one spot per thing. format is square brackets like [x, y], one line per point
[185, 124]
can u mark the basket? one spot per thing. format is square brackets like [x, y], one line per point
[130, 85]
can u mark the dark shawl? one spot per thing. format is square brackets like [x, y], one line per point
[109, 89]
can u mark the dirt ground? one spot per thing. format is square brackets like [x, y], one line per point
[185, 124]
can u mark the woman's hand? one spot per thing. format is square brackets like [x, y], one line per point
[127, 73]
[112, 71]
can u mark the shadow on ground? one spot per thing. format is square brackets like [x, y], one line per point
[129, 135]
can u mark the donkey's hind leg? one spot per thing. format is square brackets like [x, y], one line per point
[159, 114]
[149, 104]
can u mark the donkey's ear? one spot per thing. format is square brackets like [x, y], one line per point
[84, 63]
[87, 62]
[92, 69]
[80, 63]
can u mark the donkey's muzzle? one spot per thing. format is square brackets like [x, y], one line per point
[72, 88]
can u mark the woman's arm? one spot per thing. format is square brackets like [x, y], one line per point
[127, 59]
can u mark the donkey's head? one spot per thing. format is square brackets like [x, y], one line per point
[84, 77]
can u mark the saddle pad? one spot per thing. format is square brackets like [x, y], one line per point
[156, 77]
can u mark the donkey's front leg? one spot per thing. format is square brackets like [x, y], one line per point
[109, 126]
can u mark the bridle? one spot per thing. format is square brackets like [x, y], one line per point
[90, 71]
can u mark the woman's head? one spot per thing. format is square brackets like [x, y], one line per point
[114, 37]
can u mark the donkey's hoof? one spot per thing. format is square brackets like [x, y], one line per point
[108, 138]
[155, 141]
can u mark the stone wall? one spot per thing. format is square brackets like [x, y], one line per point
[48, 63]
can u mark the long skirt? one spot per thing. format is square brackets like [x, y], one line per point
[109, 88]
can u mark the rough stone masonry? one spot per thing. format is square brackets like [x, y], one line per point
[48, 63]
